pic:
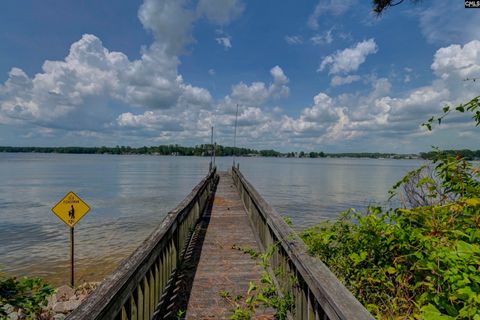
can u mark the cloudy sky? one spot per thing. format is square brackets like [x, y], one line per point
[307, 75]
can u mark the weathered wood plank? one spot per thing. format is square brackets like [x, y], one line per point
[133, 314]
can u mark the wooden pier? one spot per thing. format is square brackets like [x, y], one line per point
[221, 266]
[192, 257]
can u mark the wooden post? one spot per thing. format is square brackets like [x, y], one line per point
[72, 255]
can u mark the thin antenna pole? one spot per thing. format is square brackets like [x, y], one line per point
[235, 137]
[211, 153]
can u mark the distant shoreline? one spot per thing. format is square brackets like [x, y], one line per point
[225, 151]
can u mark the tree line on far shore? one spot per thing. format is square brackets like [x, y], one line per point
[206, 150]
[465, 153]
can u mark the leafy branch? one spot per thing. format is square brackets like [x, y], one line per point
[473, 106]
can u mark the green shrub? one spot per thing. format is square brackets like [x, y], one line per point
[28, 294]
[421, 262]
[406, 262]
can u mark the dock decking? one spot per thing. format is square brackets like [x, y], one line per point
[221, 267]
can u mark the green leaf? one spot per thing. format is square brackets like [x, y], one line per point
[466, 248]
[358, 258]
[425, 180]
[238, 297]
[430, 312]
[363, 255]
[473, 202]
[252, 287]
[391, 270]
[466, 293]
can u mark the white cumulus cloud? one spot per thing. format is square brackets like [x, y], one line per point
[170, 22]
[338, 80]
[349, 59]
[457, 61]
[258, 92]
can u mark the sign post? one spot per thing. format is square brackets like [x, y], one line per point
[70, 210]
[72, 258]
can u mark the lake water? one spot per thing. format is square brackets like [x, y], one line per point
[130, 195]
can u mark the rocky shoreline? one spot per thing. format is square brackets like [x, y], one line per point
[60, 304]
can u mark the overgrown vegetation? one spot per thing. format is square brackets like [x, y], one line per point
[263, 295]
[420, 261]
[28, 294]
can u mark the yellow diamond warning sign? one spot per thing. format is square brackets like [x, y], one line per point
[71, 209]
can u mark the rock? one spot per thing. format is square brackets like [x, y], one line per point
[13, 316]
[86, 288]
[64, 293]
[58, 307]
[7, 308]
[21, 314]
[66, 306]
[81, 297]
[58, 316]
[72, 305]
[45, 315]
[51, 301]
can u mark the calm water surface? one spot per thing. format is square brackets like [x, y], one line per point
[310, 190]
[130, 195]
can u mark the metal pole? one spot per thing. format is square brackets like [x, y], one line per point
[214, 151]
[235, 137]
[72, 255]
[211, 153]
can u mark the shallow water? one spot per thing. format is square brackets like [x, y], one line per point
[130, 195]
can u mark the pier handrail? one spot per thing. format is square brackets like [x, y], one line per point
[138, 285]
[317, 292]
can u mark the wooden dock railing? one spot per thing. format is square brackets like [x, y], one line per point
[317, 293]
[137, 287]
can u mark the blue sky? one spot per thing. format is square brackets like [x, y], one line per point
[310, 75]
